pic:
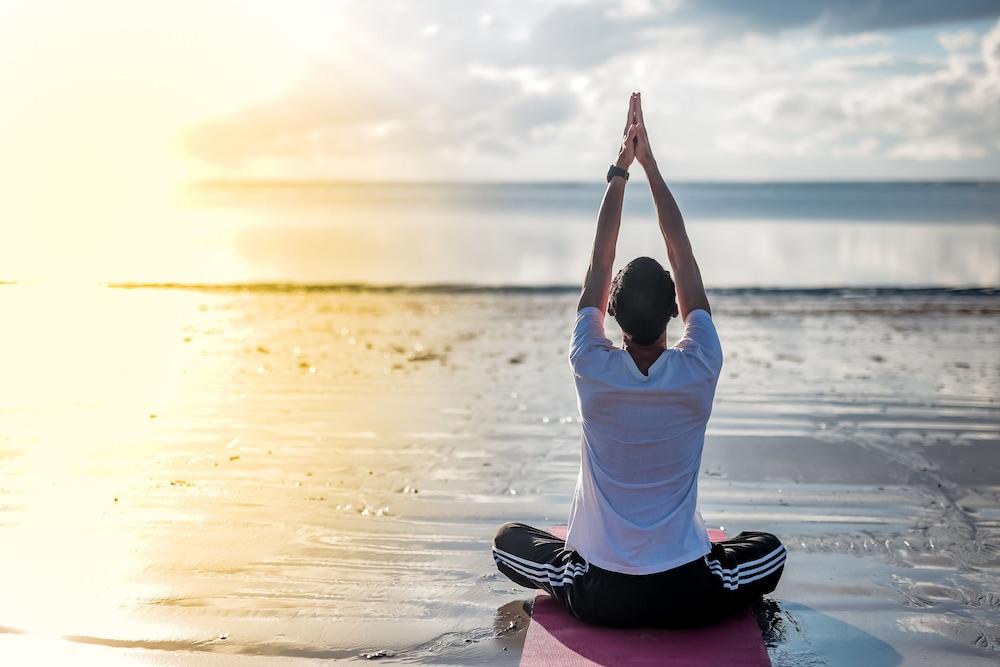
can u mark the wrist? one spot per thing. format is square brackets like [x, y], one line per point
[622, 163]
[649, 164]
[616, 172]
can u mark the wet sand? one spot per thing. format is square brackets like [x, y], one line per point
[275, 476]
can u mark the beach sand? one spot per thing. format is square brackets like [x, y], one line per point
[275, 476]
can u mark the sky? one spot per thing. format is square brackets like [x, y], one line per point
[143, 94]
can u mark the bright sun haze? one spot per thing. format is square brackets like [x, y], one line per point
[111, 108]
[287, 293]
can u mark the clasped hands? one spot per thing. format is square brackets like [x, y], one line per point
[635, 144]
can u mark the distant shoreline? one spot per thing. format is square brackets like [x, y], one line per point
[459, 288]
[416, 183]
[934, 202]
[836, 291]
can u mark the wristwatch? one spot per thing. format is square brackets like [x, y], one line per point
[616, 171]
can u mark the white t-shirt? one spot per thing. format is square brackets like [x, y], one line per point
[635, 509]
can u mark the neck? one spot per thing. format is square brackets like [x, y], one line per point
[654, 347]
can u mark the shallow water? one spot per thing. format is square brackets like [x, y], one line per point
[272, 476]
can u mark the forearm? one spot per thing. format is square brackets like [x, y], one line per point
[597, 285]
[668, 213]
[609, 221]
[687, 275]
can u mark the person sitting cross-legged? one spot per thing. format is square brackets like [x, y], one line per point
[637, 552]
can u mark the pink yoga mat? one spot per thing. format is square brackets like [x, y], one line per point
[555, 638]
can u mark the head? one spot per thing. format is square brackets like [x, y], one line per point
[642, 300]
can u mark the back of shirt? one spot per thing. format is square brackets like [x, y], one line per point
[635, 506]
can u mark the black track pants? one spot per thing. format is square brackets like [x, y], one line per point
[734, 574]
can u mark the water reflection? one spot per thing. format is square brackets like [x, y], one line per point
[799, 635]
[530, 250]
[745, 235]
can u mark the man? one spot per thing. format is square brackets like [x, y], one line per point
[637, 551]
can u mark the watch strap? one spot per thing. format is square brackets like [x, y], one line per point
[614, 170]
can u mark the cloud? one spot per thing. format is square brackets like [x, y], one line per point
[484, 83]
[483, 87]
[990, 49]
[847, 16]
[948, 113]
[339, 111]
[958, 41]
[585, 34]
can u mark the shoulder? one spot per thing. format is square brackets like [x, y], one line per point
[589, 329]
[700, 340]
[699, 317]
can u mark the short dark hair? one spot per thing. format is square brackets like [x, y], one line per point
[642, 299]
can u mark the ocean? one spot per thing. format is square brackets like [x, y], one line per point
[293, 437]
[784, 235]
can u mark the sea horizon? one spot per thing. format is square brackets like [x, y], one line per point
[846, 291]
[636, 175]
[781, 235]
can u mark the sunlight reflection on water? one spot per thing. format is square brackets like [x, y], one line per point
[536, 251]
[174, 473]
[746, 235]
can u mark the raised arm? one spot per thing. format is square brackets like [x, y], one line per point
[687, 276]
[597, 284]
